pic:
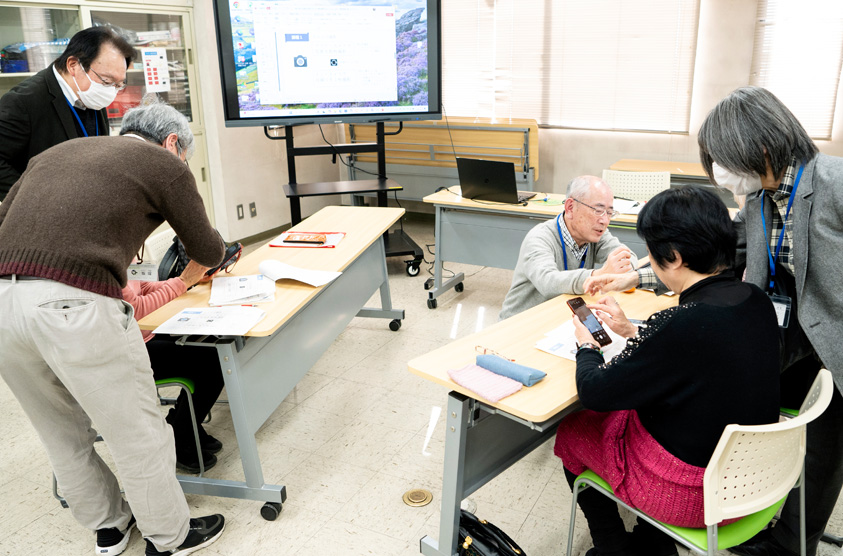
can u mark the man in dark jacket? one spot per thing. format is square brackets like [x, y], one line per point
[64, 101]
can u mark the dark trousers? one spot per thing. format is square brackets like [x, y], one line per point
[199, 364]
[823, 475]
[608, 531]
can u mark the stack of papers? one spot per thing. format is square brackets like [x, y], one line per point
[276, 270]
[214, 321]
[561, 342]
[238, 290]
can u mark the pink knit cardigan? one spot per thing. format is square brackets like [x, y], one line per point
[616, 446]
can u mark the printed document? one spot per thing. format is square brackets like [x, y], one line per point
[230, 290]
[561, 342]
[216, 321]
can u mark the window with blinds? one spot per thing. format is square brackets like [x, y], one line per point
[607, 64]
[797, 56]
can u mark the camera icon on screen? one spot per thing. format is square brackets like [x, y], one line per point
[300, 61]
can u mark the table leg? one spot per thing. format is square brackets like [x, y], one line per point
[295, 211]
[438, 286]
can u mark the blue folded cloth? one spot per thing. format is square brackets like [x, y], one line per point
[525, 375]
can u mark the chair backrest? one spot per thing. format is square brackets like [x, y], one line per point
[157, 244]
[755, 466]
[637, 186]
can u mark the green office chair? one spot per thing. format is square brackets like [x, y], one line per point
[185, 384]
[752, 470]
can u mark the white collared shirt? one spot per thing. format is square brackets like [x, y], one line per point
[68, 92]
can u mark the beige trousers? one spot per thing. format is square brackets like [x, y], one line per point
[72, 357]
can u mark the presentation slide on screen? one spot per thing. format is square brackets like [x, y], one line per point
[312, 57]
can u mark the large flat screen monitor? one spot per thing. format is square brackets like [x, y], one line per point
[287, 62]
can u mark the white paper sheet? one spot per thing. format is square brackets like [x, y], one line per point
[561, 342]
[229, 290]
[276, 270]
[624, 206]
[217, 321]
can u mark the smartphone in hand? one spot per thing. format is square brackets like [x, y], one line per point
[585, 315]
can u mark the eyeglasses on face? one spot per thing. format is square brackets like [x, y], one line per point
[598, 212]
[109, 82]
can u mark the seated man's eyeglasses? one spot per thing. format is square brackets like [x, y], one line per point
[108, 82]
[598, 212]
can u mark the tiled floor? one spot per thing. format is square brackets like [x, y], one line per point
[347, 443]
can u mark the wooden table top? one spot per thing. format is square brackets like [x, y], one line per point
[362, 226]
[515, 338]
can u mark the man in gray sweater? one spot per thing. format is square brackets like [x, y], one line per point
[558, 256]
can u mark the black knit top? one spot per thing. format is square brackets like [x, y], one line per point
[692, 369]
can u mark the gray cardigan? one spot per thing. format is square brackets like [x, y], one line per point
[539, 273]
[817, 255]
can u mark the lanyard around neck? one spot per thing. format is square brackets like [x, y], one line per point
[78, 119]
[771, 259]
[564, 248]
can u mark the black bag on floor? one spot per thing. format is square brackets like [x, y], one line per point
[481, 538]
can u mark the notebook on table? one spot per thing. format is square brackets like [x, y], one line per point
[490, 180]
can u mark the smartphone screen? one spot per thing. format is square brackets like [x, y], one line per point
[585, 315]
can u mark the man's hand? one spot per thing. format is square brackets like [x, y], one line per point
[610, 283]
[613, 316]
[619, 261]
[193, 273]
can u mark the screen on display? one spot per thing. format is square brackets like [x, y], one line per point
[285, 62]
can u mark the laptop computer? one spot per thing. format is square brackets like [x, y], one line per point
[490, 180]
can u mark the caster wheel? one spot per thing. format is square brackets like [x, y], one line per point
[394, 325]
[412, 270]
[270, 510]
[459, 287]
[428, 283]
[64, 504]
[431, 304]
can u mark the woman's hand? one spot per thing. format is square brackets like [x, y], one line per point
[582, 334]
[613, 317]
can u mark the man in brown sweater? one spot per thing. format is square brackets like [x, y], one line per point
[73, 354]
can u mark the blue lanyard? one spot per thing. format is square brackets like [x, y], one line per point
[562, 240]
[81, 126]
[772, 260]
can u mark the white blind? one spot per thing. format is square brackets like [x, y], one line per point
[797, 56]
[594, 64]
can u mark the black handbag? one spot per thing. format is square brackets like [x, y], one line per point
[481, 538]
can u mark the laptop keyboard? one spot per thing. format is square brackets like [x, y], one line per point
[525, 196]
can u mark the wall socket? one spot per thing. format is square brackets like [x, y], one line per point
[240, 214]
[253, 211]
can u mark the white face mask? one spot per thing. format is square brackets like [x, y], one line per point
[98, 96]
[739, 184]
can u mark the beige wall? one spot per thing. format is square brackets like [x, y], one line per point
[245, 166]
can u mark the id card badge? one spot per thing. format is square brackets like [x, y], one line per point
[145, 272]
[782, 305]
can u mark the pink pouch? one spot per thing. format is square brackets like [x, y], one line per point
[486, 384]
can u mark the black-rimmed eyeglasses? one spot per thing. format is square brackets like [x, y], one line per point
[108, 82]
[598, 212]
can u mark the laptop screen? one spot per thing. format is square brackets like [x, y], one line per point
[487, 180]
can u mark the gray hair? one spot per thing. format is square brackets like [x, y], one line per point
[156, 120]
[749, 120]
[580, 186]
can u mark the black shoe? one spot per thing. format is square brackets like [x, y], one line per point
[112, 541]
[767, 547]
[208, 442]
[191, 464]
[203, 531]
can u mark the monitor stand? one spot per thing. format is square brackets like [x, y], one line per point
[396, 242]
